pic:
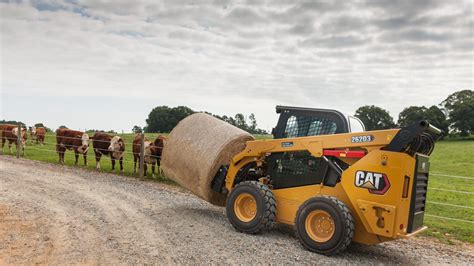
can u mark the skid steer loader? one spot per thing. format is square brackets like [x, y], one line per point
[331, 180]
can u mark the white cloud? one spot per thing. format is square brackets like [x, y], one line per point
[226, 58]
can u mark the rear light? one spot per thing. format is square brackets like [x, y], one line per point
[406, 185]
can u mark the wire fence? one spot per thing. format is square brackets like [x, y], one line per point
[141, 148]
[140, 140]
[449, 218]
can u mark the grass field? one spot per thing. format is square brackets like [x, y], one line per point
[451, 157]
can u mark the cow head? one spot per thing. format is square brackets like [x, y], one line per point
[116, 147]
[84, 143]
[160, 141]
[33, 131]
[24, 137]
[148, 152]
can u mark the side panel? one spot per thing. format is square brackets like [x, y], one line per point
[376, 199]
[375, 187]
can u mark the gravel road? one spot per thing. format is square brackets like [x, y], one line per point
[59, 214]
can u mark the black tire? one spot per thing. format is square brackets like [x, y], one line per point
[342, 226]
[265, 207]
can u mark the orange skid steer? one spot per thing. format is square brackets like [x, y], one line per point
[331, 180]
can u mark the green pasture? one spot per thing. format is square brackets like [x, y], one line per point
[450, 158]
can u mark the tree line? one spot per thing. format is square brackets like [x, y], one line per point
[14, 122]
[454, 115]
[164, 119]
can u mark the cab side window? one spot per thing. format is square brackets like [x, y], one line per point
[356, 125]
[302, 126]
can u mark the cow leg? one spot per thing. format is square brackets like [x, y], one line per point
[121, 164]
[113, 162]
[97, 160]
[85, 158]
[158, 163]
[134, 164]
[153, 169]
[59, 150]
[3, 142]
[144, 169]
[61, 155]
[76, 155]
[10, 146]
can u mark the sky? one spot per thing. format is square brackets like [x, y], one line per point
[105, 64]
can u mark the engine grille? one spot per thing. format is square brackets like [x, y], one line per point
[420, 189]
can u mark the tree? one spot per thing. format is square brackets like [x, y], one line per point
[434, 115]
[411, 115]
[253, 122]
[460, 108]
[438, 118]
[374, 117]
[136, 129]
[164, 119]
[240, 122]
[13, 122]
[63, 126]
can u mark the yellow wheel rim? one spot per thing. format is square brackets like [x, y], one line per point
[245, 207]
[320, 226]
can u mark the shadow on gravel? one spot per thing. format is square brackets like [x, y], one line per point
[208, 214]
[382, 253]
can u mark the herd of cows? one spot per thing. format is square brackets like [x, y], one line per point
[78, 141]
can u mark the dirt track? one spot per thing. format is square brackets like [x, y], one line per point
[56, 214]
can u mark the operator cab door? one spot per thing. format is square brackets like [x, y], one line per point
[292, 169]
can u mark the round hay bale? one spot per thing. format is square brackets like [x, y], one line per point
[195, 150]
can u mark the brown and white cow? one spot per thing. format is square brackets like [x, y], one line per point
[105, 144]
[68, 139]
[10, 132]
[38, 134]
[136, 152]
[33, 133]
[153, 153]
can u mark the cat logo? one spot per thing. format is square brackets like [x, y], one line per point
[376, 183]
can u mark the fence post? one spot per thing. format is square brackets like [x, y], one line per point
[1, 139]
[141, 167]
[18, 141]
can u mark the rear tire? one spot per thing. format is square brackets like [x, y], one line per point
[324, 225]
[251, 207]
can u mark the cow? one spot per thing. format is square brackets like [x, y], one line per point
[38, 134]
[105, 144]
[32, 133]
[136, 152]
[10, 132]
[153, 153]
[67, 139]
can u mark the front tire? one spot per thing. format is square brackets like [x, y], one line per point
[251, 207]
[324, 225]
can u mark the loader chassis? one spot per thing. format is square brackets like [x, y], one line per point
[368, 208]
[333, 185]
